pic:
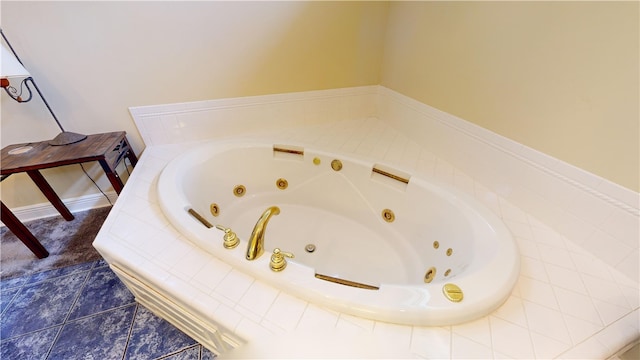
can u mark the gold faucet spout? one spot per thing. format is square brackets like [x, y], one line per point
[256, 241]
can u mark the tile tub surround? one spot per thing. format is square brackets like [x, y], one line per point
[592, 212]
[600, 216]
[567, 303]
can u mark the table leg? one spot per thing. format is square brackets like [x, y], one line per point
[51, 195]
[133, 159]
[112, 176]
[21, 231]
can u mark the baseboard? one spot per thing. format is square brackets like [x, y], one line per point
[45, 210]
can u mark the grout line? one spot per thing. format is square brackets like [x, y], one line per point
[130, 332]
[78, 294]
[55, 339]
[8, 305]
[99, 313]
[167, 355]
[64, 322]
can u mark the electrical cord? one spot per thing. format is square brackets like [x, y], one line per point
[95, 184]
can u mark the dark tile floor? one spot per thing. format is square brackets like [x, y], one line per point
[84, 312]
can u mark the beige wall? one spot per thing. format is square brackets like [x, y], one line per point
[93, 60]
[560, 77]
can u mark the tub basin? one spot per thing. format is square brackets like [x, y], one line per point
[388, 245]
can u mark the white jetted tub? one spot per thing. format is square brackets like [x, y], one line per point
[369, 239]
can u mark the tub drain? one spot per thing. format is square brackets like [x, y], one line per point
[310, 248]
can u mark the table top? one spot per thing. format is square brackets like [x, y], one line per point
[19, 157]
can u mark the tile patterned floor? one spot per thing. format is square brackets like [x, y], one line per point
[84, 312]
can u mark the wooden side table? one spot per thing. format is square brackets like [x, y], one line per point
[108, 149]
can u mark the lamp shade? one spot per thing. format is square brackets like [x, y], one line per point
[10, 67]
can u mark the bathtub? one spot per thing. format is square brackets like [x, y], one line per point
[368, 238]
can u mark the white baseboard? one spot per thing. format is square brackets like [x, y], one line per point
[45, 210]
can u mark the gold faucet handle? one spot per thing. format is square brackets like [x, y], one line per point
[278, 262]
[230, 238]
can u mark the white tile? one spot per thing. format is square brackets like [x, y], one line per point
[609, 312]
[511, 339]
[477, 330]
[548, 322]
[574, 228]
[538, 292]
[396, 149]
[150, 168]
[590, 208]
[605, 290]
[575, 248]
[609, 249]
[532, 268]
[204, 304]
[463, 348]
[189, 264]
[528, 248]
[546, 347]
[444, 171]
[488, 197]
[585, 351]
[426, 164]
[286, 311]
[317, 318]
[176, 288]
[547, 236]
[368, 144]
[623, 225]
[411, 155]
[381, 147]
[234, 285]
[172, 254]
[226, 316]
[145, 190]
[553, 187]
[272, 327]
[590, 265]
[565, 278]
[362, 323]
[579, 329]
[431, 342]
[258, 298]
[248, 329]
[630, 266]
[351, 145]
[555, 256]
[392, 335]
[348, 329]
[620, 193]
[633, 321]
[632, 295]
[145, 211]
[463, 182]
[513, 213]
[128, 228]
[617, 335]
[519, 230]
[534, 203]
[210, 275]
[512, 311]
[577, 305]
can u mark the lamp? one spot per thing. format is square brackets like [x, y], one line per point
[11, 69]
